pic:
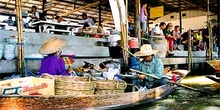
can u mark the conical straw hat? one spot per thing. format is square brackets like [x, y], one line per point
[52, 45]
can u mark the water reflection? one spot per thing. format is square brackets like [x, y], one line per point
[184, 99]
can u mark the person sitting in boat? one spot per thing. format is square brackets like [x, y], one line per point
[87, 21]
[52, 64]
[151, 65]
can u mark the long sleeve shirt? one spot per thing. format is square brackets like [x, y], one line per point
[53, 65]
[154, 67]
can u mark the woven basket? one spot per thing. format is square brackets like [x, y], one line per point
[106, 84]
[102, 92]
[110, 87]
[72, 85]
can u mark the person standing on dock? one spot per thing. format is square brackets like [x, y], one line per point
[151, 65]
[35, 16]
[87, 21]
[52, 63]
[143, 19]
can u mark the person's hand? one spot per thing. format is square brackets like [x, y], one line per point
[70, 70]
[142, 76]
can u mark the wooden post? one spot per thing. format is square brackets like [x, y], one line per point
[210, 41]
[218, 34]
[189, 50]
[100, 12]
[82, 7]
[43, 7]
[20, 45]
[180, 15]
[210, 49]
[137, 21]
[123, 35]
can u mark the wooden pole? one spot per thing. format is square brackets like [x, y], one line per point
[189, 50]
[180, 15]
[137, 21]
[210, 41]
[82, 7]
[100, 12]
[123, 35]
[210, 49]
[20, 45]
[43, 7]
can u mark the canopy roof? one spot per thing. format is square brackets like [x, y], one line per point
[64, 6]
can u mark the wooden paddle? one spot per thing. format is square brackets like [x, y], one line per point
[178, 84]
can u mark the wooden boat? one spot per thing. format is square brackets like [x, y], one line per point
[214, 78]
[215, 64]
[108, 101]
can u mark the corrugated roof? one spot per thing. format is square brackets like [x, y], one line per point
[63, 6]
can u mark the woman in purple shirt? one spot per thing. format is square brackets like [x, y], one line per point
[52, 64]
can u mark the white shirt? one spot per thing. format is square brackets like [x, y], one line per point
[36, 14]
[89, 21]
[157, 30]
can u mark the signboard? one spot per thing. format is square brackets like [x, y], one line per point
[156, 12]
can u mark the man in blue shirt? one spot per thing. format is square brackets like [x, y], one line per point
[151, 65]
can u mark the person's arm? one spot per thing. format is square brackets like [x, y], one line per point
[145, 11]
[62, 70]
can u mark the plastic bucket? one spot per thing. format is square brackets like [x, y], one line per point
[133, 61]
[133, 43]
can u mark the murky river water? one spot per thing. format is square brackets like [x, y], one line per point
[185, 99]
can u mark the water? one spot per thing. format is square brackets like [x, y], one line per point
[185, 99]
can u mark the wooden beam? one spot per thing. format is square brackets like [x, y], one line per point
[7, 3]
[82, 7]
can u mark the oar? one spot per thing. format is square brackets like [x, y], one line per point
[138, 59]
[128, 52]
[181, 85]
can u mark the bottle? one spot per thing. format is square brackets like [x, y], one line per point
[174, 79]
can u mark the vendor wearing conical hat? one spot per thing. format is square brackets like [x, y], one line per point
[150, 64]
[52, 64]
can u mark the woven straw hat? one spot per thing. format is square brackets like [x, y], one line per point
[52, 45]
[146, 50]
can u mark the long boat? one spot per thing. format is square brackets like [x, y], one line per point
[214, 78]
[108, 101]
[215, 64]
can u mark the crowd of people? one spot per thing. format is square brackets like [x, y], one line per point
[35, 15]
[200, 37]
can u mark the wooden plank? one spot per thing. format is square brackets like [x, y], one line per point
[80, 8]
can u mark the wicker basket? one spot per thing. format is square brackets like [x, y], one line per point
[215, 64]
[102, 92]
[110, 87]
[72, 85]
[105, 84]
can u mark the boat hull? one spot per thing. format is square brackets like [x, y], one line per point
[109, 101]
[70, 102]
[214, 78]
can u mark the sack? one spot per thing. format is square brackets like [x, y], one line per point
[27, 86]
